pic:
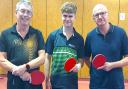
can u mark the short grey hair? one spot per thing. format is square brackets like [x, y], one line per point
[98, 8]
[25, 2]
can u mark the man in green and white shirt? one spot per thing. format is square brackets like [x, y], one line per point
[62, 44]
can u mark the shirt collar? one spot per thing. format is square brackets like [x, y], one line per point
[111, 29]
[13, 30]
[61, 31]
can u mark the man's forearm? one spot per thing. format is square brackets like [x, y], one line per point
[47, 72]
[120, 63]
[47, 66]
[81, 61]
[87, 62]
[4, 63]
[37, 61]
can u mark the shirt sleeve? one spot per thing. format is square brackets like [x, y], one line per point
[81, 49]
[125, 44]
[49, 44]
[41, 43]
[2, 43]
[87, 47]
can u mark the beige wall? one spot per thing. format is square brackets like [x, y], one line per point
[47, 17]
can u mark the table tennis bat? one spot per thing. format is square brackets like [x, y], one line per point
[69, 64]
[98, 60]
[37, 77]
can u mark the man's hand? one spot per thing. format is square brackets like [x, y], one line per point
[77, 67]
[107, 66]
[48, 84]
[26, 77]
[19, 70]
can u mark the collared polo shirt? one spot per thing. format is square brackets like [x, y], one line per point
[61, 49]
[19, 50]
[114, 45]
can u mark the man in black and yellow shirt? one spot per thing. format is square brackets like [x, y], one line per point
[21, 49]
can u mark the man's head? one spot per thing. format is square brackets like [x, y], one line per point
[68, 7]
[68, 11]
[24, 12]
[100, 14]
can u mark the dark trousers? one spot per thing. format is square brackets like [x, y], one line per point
[14, 82]
[64, 81]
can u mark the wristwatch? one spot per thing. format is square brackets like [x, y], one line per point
[27, 67]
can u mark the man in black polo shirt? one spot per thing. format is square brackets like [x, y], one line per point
[21, 49]
[111, 41]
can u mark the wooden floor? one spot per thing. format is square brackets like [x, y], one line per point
[83, 84]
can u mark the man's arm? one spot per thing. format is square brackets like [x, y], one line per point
[120, 63]
[32, 64]
[79, 65]
[37, 61]
[4, 63]
[47, 69]
[81, 61]
[87, 62]
[110, 65]
[25, 76]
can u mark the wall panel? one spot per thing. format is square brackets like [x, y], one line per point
[6, 14]
[5, 18]
[124, 24]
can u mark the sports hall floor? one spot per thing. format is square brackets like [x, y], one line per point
[83, 84]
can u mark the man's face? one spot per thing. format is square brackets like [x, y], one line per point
[100, 16]
[68, 19]
[24, 15]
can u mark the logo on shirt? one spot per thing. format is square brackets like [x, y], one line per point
[71, 45]
[17, 42]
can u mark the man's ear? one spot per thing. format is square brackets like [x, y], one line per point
[15, 13]
[74, 17]
[93, 18]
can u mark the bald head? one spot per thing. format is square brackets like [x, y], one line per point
[99, 8]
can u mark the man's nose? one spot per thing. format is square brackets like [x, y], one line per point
[25, 14]
[68, 18]
[99, 16]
